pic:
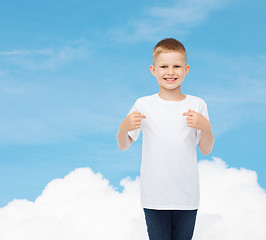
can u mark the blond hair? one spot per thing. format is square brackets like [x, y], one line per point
[168, 45]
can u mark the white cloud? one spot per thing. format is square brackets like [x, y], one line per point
[177, 18]
[84, 205]
[81, 206]
[233, 205]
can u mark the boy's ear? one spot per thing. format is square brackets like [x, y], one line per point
[152, 68]
[187, 69]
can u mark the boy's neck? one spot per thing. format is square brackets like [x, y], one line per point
[173, 95]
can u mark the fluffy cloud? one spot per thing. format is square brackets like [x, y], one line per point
[84, 205]
[233, 205]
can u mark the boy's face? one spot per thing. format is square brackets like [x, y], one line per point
[170, 69]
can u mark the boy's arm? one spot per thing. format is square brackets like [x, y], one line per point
[198, 121]
[123, 139]
[207, 140]
[131, 122]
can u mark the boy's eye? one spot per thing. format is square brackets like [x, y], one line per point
[163, 66]
[176, 66]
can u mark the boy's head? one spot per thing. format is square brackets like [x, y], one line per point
[168, 45]
[169, 64]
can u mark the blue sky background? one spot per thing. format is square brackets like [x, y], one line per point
[71, 70]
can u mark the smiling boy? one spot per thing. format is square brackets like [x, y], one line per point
[172, 124]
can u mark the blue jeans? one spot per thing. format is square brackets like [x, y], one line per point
[170, 224]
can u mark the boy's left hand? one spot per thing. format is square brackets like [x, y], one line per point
[196, 120]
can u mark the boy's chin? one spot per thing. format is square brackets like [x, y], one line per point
[172, 85]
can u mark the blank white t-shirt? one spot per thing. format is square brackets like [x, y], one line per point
[169, 173]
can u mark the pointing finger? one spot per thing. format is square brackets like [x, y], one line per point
[187, 114]
[140, 115]
[191, 111]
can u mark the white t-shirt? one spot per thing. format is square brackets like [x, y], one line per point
[169, 173]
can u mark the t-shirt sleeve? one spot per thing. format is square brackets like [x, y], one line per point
[134, 134]
[204, 111]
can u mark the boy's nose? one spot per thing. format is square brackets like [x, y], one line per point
[170, 71]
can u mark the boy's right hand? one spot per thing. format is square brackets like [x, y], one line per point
[132, 121]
